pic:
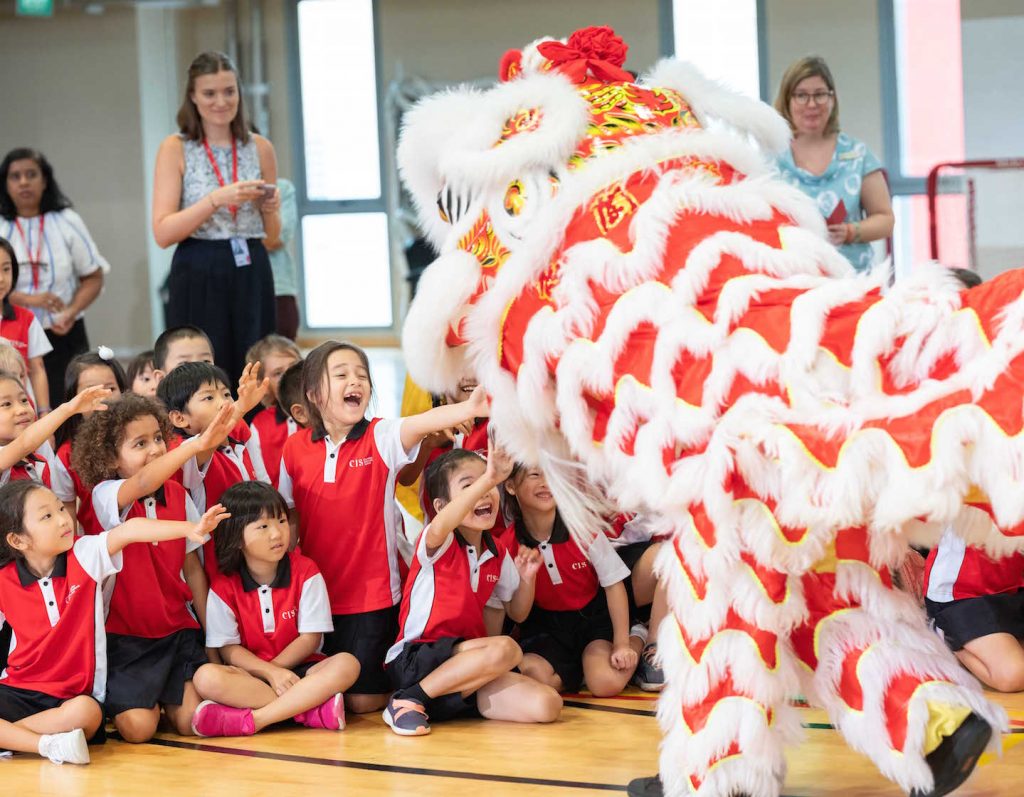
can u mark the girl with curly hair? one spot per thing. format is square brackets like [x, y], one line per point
[154, 642]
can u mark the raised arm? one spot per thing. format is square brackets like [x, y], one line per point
[89, 400]
[151, 477]
[499, 465]
[416, 427]
[141, 529]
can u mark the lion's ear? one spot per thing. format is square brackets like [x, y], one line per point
[511, 65]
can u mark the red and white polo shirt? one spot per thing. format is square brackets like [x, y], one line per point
[269, 430]
[267, 618]
[87, 520]
[445, 594]
[149, 597]
[25, 334]
[955, 571]
[44, 467]
[230, 464]
[344, 493]
[58, 644]
[570, 578]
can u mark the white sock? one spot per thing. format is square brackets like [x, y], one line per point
[639, 631]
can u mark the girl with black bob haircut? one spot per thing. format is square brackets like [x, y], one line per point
[276, 669]
[249, 502]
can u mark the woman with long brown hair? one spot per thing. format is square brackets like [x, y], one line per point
[214, 195]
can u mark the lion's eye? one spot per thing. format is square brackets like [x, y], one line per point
[515, 198]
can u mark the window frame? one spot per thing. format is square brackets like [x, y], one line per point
[310, 207]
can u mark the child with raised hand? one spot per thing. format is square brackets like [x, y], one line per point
[154, 643]
[22, 330]
[25, 451]
[470, 435]
[444, 665]
[267, 613]
[339, 475]
[578, 628]
[271, 426]
[194, 393]
[141, 377]
[84, 371]
[51, 595]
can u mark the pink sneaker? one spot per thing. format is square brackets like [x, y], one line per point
[213, 719]
[329, 715]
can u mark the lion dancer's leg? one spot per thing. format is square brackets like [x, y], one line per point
[729, 674]
[889, 684]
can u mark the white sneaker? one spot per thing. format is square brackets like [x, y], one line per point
[65, 748]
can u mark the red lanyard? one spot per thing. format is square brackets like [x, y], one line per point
[35, 262]
[216, 169]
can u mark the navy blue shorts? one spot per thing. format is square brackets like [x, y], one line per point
[367, 636]
[142, 673]
[416, 661]
[17, 704]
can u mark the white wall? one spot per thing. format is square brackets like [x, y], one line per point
[71, 89]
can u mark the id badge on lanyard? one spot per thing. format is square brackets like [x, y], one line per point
[240, 251]
[239, 246]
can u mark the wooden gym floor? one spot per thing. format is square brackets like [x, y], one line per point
[596, 748]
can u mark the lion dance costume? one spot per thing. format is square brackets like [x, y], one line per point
[648, 306]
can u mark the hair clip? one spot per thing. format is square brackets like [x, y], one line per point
[105, 353]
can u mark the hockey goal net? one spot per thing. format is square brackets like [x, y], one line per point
[976, 214]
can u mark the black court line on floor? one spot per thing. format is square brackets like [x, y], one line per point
[639, 712]
[388, 768]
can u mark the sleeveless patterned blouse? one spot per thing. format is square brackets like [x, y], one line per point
[200, 179]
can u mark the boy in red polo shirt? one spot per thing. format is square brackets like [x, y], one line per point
[194, 394]
[443, 664]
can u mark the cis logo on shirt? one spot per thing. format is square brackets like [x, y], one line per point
[288, 614]
[579, 565]
[71, 592]
[359, 463]
[492, 578]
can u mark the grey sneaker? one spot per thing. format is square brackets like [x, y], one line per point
[65, 748]
[649, 676]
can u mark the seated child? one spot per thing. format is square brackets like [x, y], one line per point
[51, 595]
[578, 628]
[177, 345]
[25, 451]
[20, 329]
[154, 642]
[271, 426]
[444, 665]
[141, 379]
[471, 435]
[194, 393]
[83, 372]
[267, 614]
[977, 604]
[635, 541]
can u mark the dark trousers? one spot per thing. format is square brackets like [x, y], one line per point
[65, 347]
[233, 305]
[287, 316]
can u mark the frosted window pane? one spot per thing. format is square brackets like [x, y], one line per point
[347, 270]
[720, 38]
[339, 99]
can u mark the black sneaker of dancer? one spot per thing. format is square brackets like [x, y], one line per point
[953, 761]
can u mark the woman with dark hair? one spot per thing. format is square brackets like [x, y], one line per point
[214, 195]
[836, 170]
[61, 270]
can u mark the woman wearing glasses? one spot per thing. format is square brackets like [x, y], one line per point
[836, 170]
